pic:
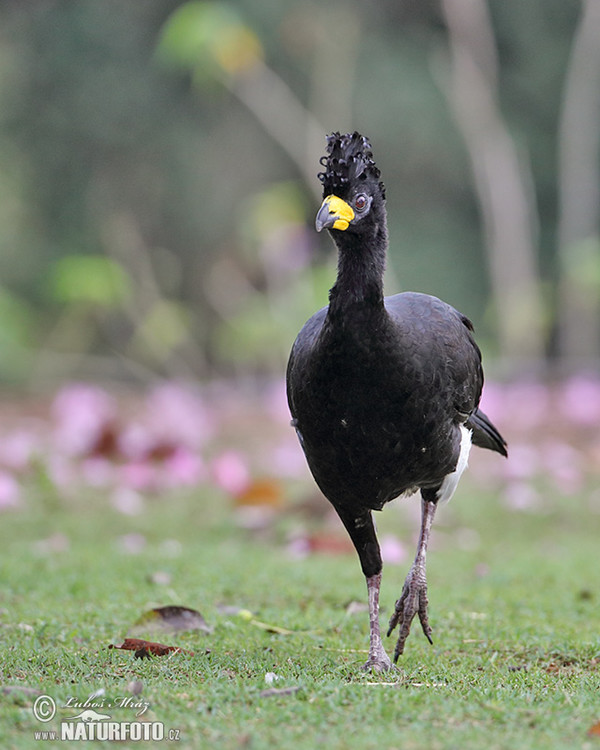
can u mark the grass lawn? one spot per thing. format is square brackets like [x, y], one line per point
[514, 603]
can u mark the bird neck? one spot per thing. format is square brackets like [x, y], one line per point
[361, 265]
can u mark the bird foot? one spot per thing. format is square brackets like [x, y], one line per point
[412, 601]
[378, 661]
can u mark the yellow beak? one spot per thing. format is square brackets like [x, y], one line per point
[334, 214]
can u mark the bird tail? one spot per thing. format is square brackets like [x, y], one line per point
[485, 435]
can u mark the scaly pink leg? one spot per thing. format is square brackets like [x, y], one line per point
[413, 599]
[378, 660]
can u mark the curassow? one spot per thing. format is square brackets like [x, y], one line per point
[383, 392]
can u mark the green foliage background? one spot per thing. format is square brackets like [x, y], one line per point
[150, 222]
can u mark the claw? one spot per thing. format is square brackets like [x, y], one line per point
[424, 620]
[412, 602]
[398, 613]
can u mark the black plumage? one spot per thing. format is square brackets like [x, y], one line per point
[383, 392]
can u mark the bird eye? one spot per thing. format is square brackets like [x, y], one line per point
[360, 202]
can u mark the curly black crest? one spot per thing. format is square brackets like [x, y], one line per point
[348, 162]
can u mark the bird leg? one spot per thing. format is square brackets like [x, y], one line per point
[361, 528]
[413, 599]
[378, 660]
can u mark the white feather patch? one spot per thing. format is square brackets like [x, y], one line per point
[450, 482]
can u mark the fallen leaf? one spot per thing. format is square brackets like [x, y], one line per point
[144, 649]
[594, 731]
[261, 492]
[170, 619]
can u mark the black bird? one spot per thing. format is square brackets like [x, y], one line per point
[383, 391]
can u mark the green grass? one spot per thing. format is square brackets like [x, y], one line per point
[515, 612]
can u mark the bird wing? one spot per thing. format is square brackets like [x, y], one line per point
[444, 329]
[299, 356]
[439, 339]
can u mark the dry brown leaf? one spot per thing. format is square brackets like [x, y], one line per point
[170, 619]
[267, 492]
[144, 649]
[594, 731]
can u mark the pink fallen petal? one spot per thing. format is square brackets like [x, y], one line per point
[393, 551]
[178, 414]
[81, 413]
[183, 468]
[139, 475]
[298, 547]
[230, 472]
[19, 448]
[10, 491]
[579, 400]
[135, 441]
[275, 401]
[527, 404]
[287, 460]
[493, 402]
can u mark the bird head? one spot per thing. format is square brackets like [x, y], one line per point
[352, 191]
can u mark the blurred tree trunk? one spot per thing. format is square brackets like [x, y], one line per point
[578, 310]
[502, 183]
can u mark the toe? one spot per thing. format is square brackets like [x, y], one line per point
[378, 665]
